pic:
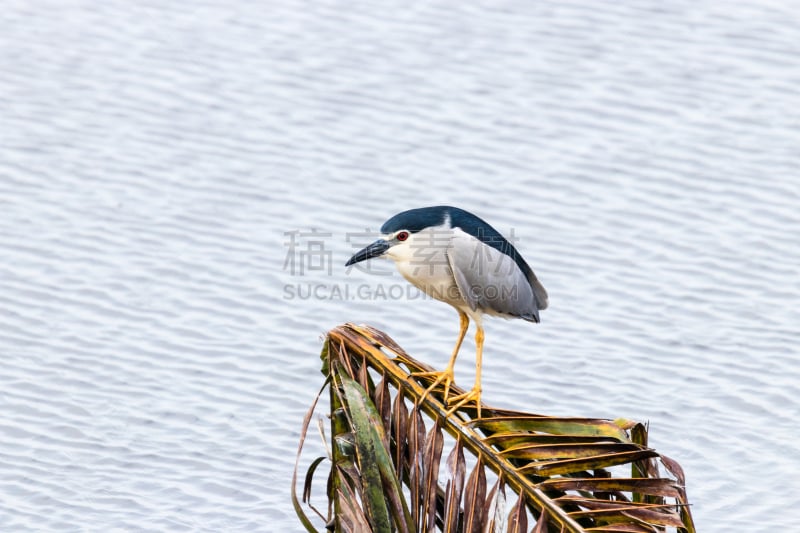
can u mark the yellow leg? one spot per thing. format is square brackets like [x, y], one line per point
[447, 376]
[475, 393]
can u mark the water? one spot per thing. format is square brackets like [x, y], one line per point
[157, 357]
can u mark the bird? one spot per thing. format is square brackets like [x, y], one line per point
[456, 257]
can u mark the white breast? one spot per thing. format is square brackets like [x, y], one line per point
[423, 261]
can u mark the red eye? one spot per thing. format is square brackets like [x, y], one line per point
[403, 235]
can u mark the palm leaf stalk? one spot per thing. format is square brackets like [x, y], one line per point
[389, 472]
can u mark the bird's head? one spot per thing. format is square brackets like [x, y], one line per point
[399, 233]
[392, 246]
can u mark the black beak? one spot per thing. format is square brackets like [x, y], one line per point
[373, 250]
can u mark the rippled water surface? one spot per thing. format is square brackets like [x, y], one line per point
[159, 345]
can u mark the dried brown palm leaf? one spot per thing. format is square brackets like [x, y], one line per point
[390, 472]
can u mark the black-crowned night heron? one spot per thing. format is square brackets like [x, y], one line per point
[456, 257]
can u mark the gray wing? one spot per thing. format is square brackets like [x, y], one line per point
[491, 281]
[538, 292]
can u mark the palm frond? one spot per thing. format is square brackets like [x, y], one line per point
[389, 470]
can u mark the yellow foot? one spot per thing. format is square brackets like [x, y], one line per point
[463, 399]
[445, 377]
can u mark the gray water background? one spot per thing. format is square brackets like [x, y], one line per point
[157, 358]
